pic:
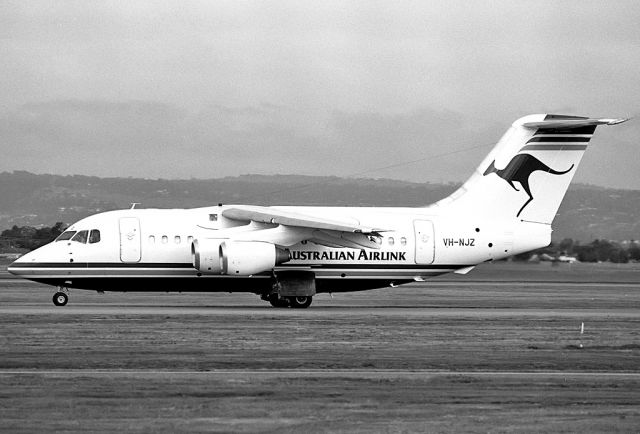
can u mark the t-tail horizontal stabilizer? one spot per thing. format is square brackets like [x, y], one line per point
[561, 121]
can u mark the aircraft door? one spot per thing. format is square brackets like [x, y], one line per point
[425, 241]
[130, 239]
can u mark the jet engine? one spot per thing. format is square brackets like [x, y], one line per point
[205, 256]
[250, 257]
[240, 258]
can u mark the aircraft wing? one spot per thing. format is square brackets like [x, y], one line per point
[263, 214]
[295, 227]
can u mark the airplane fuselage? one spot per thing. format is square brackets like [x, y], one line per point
[151, 250]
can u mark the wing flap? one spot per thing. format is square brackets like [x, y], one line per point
[343, 239]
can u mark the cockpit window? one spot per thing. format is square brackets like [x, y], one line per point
[94, 236]
[80, 237]
[65, 235]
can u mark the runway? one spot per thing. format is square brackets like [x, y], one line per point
[325, 372]
[338, 312]
[443, 355]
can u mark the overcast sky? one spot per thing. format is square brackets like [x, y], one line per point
[210, 89]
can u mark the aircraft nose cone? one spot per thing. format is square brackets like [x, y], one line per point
[16, 267]
[13, 269]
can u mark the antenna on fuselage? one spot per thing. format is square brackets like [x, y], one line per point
[133, 205]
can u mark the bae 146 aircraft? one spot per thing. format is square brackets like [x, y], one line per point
[288, 254]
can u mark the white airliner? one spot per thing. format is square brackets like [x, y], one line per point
[289, 254]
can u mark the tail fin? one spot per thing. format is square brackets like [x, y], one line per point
[528, 172]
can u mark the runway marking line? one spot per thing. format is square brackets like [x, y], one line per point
[353, 372]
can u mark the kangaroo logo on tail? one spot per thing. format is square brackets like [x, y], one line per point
[520, 169]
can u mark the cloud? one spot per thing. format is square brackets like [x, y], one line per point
[427, 140]
[153, 139]
[215, 88]
[143, 138]
[356, 56]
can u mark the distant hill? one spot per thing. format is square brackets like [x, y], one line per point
[587, 212]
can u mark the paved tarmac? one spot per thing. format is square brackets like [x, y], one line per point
[501, 354]
[318, 373]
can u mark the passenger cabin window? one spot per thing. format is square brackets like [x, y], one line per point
[66, 236]
[213, 217]
[177, 239]
[80, 237]
[94, 236]
[403, 241]
[189, 239]
[152, 239]
[391, 241]
[165, 240]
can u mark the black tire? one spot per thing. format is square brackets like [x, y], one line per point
[300, 302]
[276, 301]
[60, 298]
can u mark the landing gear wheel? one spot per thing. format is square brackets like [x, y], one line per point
[60, 298]
[300, 302]
[276, 301]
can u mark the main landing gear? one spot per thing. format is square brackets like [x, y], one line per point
[61, 297]
[299, 302]
[291, 288]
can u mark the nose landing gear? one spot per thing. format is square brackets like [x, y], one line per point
[60, 298]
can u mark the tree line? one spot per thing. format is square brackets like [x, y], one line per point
[595, 251]
[28, 237]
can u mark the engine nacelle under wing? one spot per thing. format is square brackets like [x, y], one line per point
[240, 258]
[243, 258]
[205, 255]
